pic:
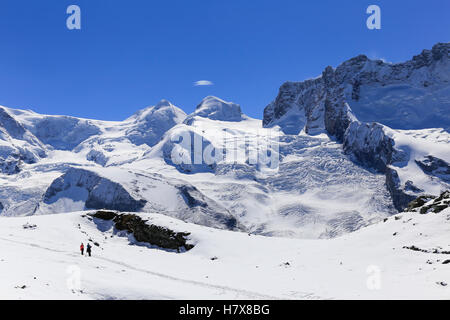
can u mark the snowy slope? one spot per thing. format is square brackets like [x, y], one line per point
[372, 263]
[419, 145]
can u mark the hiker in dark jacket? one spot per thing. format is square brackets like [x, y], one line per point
[88, 249]
[82, 249]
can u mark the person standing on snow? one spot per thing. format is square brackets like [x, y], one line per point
[82, 249]
[88, 249]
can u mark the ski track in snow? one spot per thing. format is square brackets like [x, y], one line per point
[241, 294]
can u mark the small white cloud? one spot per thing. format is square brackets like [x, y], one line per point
[203, 83]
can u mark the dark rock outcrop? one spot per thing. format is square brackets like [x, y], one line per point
[199, 204]
[434, 251]
[188, 193]
[419, 202]
[400, 197]
[426, 204]
[337, 117]
[370, 145]
[147, 233]
[435, 167]
[10, 125]
[11, 165]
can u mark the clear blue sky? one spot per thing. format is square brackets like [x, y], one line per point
[130, 54]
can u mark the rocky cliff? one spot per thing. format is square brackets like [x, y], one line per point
[410, 95]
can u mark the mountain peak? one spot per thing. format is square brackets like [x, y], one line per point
[163, 103]
[163, 106]
[217, 109]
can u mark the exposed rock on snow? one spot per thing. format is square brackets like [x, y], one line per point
[144, 232]
[430, 204]
[435, 167]
[94, 191]
[401, 194]
[370, 145]
[97, 157]
[188, 195]
[419, 202]
[29, 226]
[197, 201]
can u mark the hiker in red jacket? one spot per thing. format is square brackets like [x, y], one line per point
[82, 249]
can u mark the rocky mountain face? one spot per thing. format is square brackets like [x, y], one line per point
[410, 95]
[142, 232]
[325, 101]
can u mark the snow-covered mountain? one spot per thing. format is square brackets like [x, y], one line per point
[367, 105]
[408, 96]
[325, 172]
[264, 209]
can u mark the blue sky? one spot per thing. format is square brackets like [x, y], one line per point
[131, 54]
